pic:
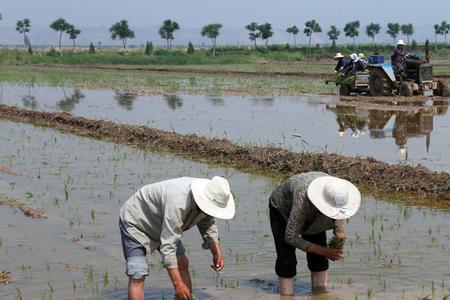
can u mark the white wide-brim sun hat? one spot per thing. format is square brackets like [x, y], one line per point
[339, 55]
[334, 197]
[214, 197]
[401, 42]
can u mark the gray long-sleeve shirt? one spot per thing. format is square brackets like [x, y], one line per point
[290, 199]
[158, 214]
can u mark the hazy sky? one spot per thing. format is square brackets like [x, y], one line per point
[231, 13]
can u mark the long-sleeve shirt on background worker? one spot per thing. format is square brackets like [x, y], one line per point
[290, 199]
[158, 214]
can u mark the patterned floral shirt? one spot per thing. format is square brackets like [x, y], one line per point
[290, 199]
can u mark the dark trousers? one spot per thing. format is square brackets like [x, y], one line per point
[286, 263]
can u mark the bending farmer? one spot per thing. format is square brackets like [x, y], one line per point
[156, 216]
[302, 208]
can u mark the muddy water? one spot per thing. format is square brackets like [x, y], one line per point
[390, 133]
[393, 251]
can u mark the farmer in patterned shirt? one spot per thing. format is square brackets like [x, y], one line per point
[302, 209]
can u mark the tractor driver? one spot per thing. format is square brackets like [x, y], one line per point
[399, 59]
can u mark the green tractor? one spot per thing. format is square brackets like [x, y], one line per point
[380, 79]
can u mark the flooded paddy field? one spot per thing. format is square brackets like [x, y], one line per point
[393, 250]
[392, 133]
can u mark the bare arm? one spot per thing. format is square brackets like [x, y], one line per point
[218, 259]
[181, 290]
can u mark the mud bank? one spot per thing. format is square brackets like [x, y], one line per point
[27, 211]
[366, 173]
[5, 277]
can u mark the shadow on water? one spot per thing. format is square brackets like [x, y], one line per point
[151, 293]
[302, 289]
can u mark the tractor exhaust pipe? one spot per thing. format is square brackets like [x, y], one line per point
[427, 51]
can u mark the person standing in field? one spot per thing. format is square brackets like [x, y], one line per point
[156, 216]
[302, 209]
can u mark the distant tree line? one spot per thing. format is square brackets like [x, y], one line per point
[122, 31]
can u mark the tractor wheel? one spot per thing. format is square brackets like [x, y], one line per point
[345, 90]
[442, 89]
[379, 84]
[405, 89]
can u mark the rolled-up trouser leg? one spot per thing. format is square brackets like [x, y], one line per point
[135, 255]
[137, 267]
[286, 263]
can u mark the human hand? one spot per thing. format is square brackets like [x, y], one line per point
[330, 253]
[182, 292]
[340, 234]
[218, 262]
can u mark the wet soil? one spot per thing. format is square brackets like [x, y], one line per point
[27, 211]
[205, 71]
[367, 173]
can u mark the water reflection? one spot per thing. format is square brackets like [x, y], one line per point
[216, 101]
[29, 100]
[266, 101]
[69, 102]
[400, 122]
[173, 101]
[125, 99]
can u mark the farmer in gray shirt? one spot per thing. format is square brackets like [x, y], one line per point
[156, 216]
[302, 209]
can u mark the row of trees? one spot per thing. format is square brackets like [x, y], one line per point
[351, 30]
[121, 31]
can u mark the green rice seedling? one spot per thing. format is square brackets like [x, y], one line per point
[105, 279]
[51, 288]
[19, 294]
[89, 273]
[336, 243]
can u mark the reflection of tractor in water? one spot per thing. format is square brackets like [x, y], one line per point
[398, 122]
[380, 79]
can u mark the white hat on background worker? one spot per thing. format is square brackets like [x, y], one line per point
[401, 42]
[354, 56]
[338, 55]
[334, 197]
[361, 55]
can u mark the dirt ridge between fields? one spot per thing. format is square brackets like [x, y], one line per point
[367, 173]
[200, 71]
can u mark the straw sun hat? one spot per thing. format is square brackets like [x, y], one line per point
[334, 197]
[214, 197]
[338, 55]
